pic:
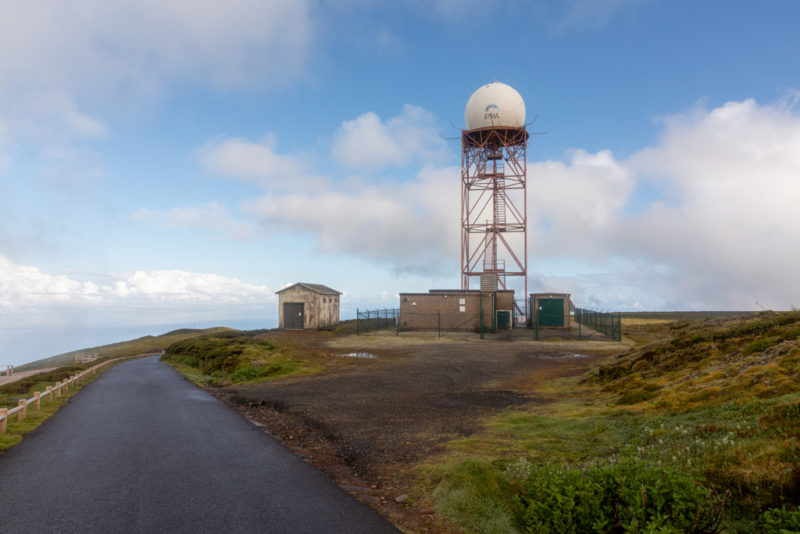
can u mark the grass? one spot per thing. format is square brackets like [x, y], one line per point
[226, 358]
[25, 388]
[708, 414]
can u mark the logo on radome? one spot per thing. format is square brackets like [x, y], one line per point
[492, 112]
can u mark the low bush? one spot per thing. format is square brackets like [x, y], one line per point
[780, 521]
[629, 496]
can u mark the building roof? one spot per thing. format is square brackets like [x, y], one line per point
[316, 288]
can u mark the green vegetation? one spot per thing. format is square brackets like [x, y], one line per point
[11, 393]
[233, 357]
[696, 432]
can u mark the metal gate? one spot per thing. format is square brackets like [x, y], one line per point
[293, 316]
[550, 312]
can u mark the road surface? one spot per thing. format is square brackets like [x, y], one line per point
[140, 449]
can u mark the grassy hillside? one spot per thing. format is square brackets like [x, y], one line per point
[141, 345]
[230, 357]
[696, 432]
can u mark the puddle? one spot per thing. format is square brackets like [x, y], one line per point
[362, 355]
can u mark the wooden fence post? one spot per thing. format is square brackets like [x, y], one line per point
[49, 391]
[23, 412]
[58, 389]
[4, 415]
[37, 400]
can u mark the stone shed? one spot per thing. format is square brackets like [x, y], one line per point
[304, 305]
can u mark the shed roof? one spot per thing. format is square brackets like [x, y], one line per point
[316, 288]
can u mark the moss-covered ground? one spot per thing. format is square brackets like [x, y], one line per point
[697, 430]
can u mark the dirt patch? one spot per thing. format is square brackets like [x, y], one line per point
[368, 424]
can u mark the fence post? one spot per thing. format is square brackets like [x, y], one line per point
[439, 323]
[49, 391]
[37, 400]
[4, 415]
[23, 412]
[358, 318]
[58, 389]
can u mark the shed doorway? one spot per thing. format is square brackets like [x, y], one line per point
[551, 312]
[293, 318]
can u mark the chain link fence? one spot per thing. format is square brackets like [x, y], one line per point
[608, 324]
[369, 320]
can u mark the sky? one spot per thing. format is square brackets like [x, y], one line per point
[169, 164]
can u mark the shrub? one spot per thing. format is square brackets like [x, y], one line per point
[244, 374]
[630, 496]
[780, 521]
[760, 345]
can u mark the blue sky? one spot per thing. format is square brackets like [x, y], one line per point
[170, 164]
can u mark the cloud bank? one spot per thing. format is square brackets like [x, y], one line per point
[140, 44]
[29, 296]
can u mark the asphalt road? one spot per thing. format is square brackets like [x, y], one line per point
[140, 449]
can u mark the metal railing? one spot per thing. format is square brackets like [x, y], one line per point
[608, 324]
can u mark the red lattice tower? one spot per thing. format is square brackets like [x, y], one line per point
[494, 207]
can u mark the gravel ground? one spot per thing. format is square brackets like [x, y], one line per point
[367, 424]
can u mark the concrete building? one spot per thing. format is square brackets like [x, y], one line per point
[303, 305]
[86, 357]
[456, 310]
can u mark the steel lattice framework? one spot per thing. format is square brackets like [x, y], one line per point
[494, 207]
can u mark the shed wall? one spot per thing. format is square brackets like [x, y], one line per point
[451, 310]
[320, 311]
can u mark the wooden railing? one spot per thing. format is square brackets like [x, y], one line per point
[54, 392]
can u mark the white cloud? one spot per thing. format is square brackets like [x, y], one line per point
[29, 296]
[57, 108]
[140, 44]
[570, 204]
[731, 227]
[411, 226]
[368, 142]
[723, 232]
[210, 217]
[258, 163]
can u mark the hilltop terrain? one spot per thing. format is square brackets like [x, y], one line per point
[691, 424]
[142, 345]
[445, 434]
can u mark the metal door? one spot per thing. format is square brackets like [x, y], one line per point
[551, 312]
[293, 318]
[503, 319]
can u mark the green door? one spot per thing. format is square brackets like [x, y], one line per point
[551, 312]
[503, 319]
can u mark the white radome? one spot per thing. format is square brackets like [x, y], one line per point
[495, 104]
